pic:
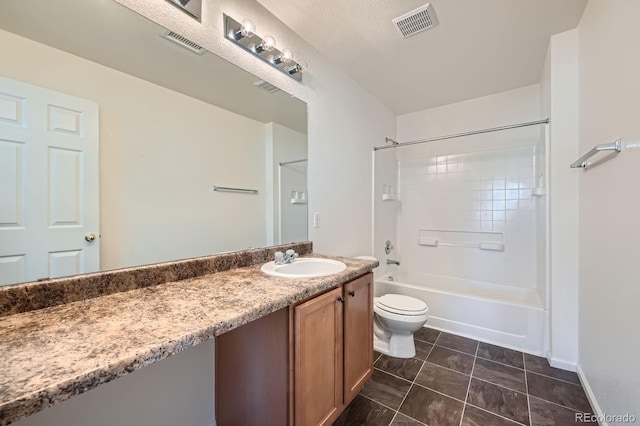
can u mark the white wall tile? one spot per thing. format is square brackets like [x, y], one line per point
[477, 200]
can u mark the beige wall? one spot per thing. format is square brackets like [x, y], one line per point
[160, 152]
[344, 121]
[176, 391]
[608, 38]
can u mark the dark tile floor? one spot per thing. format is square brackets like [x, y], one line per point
[462, 382]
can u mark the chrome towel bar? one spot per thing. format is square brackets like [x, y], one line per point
[227, 189]
[582, 161]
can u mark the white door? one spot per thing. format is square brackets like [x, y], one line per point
[48, 184]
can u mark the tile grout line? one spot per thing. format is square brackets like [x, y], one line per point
[501, 386]
[494, 414]
[457, 350]
[377, 402]
[555, 378]
[559, 405]
[466, 397]
[392, 375]
[412, 384]
[396, 412]
[425, 341]
[405, 396]
[556, 403]
[501, 363]
[380, 403]
[439, 392]
[447, 368]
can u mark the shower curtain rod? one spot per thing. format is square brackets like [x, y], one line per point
[457, 135]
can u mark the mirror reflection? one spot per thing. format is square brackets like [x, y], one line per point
[113, 136]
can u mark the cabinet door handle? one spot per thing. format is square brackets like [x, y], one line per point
[352, 293]
[341, 299]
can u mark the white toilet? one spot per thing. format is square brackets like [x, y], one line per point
[396, 318]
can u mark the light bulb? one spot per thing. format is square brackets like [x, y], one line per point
[247, 29]
[287, 55]
[268, 43]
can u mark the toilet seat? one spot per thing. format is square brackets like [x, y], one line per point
[402, 305]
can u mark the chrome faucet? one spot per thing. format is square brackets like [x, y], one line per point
[286, 257]
[392, 262]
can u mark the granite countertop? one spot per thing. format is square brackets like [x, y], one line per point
[49, 355]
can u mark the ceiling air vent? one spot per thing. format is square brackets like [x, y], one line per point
[183, 41]
[417, 20]
[266, 86]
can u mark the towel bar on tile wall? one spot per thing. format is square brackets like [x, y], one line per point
[581, 163]
[482, 245]
[475, 239]
[228, 189]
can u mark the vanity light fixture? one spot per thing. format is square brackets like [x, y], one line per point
[243, 34]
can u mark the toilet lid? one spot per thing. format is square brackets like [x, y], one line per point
[400, 304]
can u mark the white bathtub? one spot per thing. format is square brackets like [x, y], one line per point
[503, 315]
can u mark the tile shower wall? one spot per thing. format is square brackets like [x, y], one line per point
[486, 191]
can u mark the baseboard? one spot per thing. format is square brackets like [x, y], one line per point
[591, 397]
[560, 363]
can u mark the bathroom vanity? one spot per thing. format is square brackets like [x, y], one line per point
[64, 337]
[300, 365]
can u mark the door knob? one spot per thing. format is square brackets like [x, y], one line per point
[90, 236]
[341, 299]
[352, 293]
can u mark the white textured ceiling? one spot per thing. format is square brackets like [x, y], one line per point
[479, 47]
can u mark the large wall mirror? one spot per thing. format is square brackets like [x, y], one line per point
[170, 124]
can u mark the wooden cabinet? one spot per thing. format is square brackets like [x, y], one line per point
[358, 335]
[301, 365]
[318, 359]
[333, 337]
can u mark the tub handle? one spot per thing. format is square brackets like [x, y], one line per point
[352, 293]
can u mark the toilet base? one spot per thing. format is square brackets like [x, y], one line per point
[399, 346]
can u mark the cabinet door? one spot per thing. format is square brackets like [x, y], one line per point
[358, 335]
[318, 359]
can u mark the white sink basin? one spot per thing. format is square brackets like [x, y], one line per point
[305, 267]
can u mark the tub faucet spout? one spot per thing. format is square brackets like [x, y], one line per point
[392, 262]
